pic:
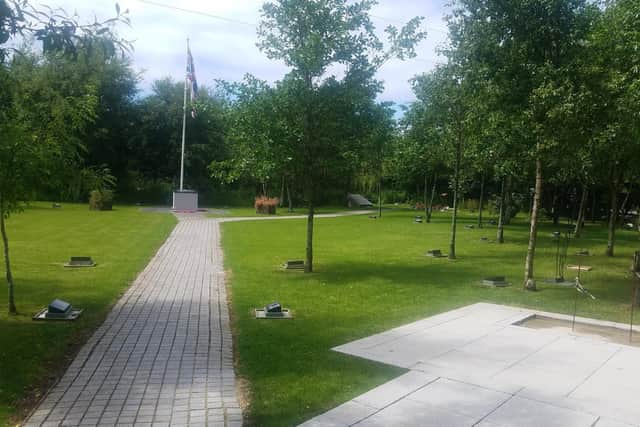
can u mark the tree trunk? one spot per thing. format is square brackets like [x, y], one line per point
[308, 266]
[500, 233]
[454, 219]
[581, 211]
[529, 281]
[426, 210]
[433, 194]
[507, 201]
[555, 208]
[308, 138]
[594, 203]
[281, 193]
[380, 197]
[7, 263]
[289, 197]
[481, 201]
[623, 208]
[613, 188]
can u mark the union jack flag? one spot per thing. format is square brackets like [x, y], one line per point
[191, 75]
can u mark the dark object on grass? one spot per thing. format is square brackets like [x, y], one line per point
[418, 219]
[293, 265]
[497, 281]
[469, 226]
[373, 217]
[492, 222]
[435, 253]
[583, 252]
[274, 307]
[484, 239]
[56, 205]
[357, 201]
[58, 310]
[80, 261]
[262, 313]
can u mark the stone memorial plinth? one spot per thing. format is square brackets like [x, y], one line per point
[185, 200]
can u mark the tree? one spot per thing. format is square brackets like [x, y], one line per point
[612, 93]
[446, 95]
[40, 131]
[310, 36]
[256, 115]
[155, 142]
[39, 124]
[528, 49]
[419, 152]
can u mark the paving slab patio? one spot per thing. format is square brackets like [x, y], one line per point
[477, 366]
[164, 354]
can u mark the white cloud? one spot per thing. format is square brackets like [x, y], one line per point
[227, 50]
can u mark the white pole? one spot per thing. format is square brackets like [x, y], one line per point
[184, 121]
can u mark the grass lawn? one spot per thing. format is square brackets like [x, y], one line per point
[283, 211]
[41, 239]
[372, 275]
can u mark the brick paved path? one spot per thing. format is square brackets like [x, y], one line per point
[164, 354]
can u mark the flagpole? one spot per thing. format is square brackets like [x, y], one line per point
[184, 122]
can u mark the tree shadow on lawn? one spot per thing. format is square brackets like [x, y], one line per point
[462, 280]
[33, 354]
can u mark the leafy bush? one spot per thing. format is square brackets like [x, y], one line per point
[266, 205]
[101, 200]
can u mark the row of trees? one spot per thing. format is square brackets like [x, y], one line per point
[533, 91]
[545, 90]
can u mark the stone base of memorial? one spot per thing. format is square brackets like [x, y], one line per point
[185, 200]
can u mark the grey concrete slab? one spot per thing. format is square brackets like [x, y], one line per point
[607, 422]
[163, 346]
[523, 412]
[409, 413]
[395, 389]
[344, 415]
[489, 370]
[460, 398]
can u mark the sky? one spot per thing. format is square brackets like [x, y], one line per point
[223, 39]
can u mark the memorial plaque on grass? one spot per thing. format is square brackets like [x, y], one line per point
[293, 265]
[80, 261]
[58, 310]
[273, 311]
[496, 281]
[435, 253]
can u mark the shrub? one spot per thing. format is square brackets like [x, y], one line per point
[266, 205]
[101, 200]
